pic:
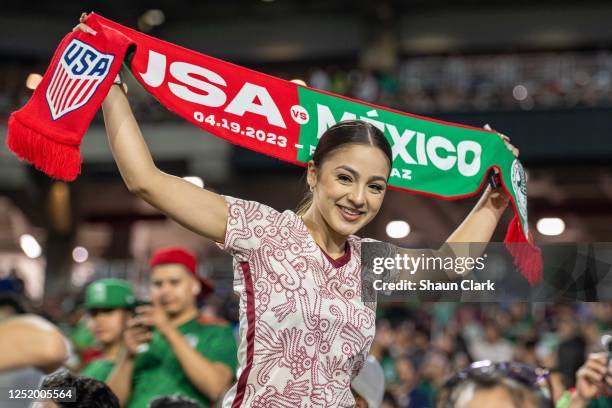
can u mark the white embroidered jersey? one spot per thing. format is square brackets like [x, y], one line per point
[304, 330]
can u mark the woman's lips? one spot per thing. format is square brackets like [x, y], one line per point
[349, 214]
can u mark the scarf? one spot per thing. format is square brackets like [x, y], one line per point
[259, 112]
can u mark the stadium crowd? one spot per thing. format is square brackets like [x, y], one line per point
[425, 85]
[419, 346]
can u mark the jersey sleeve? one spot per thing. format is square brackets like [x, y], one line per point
[221, 347]
[246, 224]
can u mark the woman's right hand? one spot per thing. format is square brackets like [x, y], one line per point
[82, 26]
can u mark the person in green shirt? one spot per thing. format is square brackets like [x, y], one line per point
[167, 350]
[108, 303]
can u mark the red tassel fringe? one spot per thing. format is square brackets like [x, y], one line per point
[58, 160]
[527, 257]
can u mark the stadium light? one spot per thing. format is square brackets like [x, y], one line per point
[398, 229]
[30, 246]
[80, 254]
[154, 17]
[520, 92]
[550, 226]
[151, 19]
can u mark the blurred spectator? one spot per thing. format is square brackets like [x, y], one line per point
[433, 372]
[492, 346]
[389, 401]
[319, 79]
[167, 350]
[383, 350]
[76, 327]
[526, 351]
[87, 392]
[364, 86]
[572, 349]
[593, 385]
[408, 393]
[109, 303]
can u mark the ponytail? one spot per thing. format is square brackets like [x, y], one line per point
[304, 204]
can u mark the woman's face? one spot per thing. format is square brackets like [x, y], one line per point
[349, 187]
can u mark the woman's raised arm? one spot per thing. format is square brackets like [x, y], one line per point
[199, 210]
[481, 222]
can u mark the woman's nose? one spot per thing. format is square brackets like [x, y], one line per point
[357, 196]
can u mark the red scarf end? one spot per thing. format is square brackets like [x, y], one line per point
[527, 257]
[55, 159]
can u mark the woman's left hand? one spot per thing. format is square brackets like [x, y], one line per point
[506, 140]
[497, 197]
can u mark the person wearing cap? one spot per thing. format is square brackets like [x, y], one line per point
[109, 303]
[167, 350]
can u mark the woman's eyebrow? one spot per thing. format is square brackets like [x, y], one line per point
[355, 173]
[379, 178]
[349, 169]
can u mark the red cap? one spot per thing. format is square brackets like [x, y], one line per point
[177, 255]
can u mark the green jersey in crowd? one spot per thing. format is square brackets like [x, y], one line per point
[157, 371]
[98, 369]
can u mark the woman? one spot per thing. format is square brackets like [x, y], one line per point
[303, 326]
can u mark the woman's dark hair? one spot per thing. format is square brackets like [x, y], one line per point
[341, 134]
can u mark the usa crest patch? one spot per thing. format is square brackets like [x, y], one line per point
[80, 71]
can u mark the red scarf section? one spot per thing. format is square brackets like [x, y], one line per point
[80, 75]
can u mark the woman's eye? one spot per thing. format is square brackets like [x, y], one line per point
[377, 187]
[344, 178]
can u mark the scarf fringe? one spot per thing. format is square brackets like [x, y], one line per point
[58, 160]
[527, 257]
